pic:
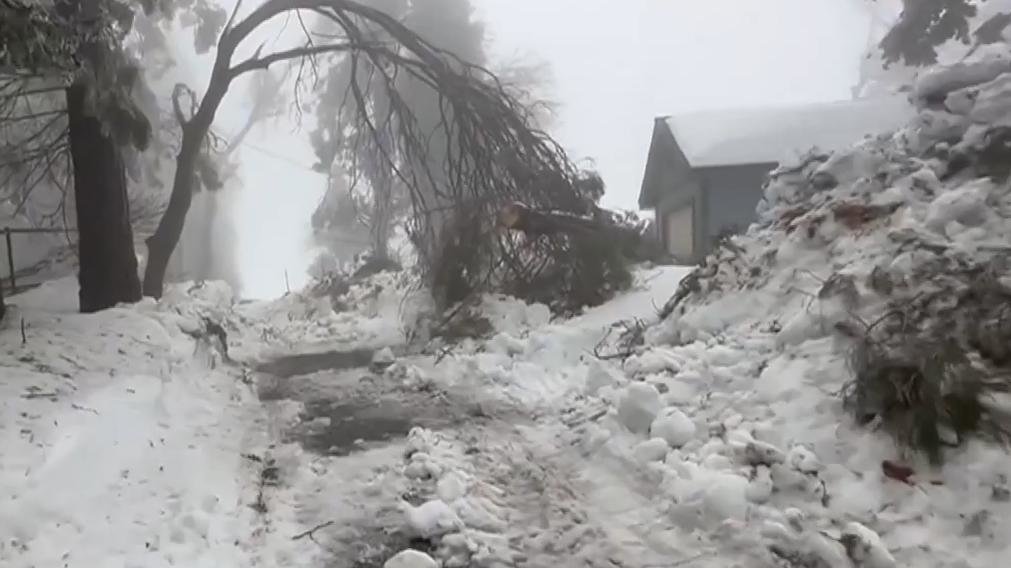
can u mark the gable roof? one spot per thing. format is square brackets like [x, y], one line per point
[768, 135]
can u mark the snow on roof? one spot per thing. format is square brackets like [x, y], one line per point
[770, 135]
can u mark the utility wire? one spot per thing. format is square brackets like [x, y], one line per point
[268, 153]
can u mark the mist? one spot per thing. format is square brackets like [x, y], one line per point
[256, 233]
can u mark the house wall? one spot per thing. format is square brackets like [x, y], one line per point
[731, 195]
[707, 200]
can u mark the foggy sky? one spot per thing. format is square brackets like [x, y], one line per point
[618, 65]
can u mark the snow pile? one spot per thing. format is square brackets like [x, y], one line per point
[411, 559]
[461, 520]
[122, 435]
[872, 274]
[376, 311]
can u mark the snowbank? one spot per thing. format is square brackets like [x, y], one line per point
[375, 312]
[900, 242]
[121, 437]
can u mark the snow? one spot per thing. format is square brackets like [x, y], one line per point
[639, 406]
[774, 134]
[653, 450]
[383, 357]
[808, 458]
[119, 446]
[599, 376]
[865, 547]
[673, 427]
[431, 519]
[710, 433]
[942, 80]
[411, 559]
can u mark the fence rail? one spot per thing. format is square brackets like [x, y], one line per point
[9, 231]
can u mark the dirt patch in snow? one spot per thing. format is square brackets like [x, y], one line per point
[334, 427]
[346, 407]
[309, 363]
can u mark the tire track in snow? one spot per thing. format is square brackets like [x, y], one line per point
[568, 507]
[338, 441]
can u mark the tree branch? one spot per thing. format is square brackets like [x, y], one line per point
[34, 116]
[255, 63]
[231, 18]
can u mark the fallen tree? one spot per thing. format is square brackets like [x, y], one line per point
[600, 247]
[494, 154]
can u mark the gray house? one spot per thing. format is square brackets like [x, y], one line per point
[705, 171]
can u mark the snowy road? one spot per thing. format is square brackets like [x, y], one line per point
[514, 463]
[541, 500]
[125, 444]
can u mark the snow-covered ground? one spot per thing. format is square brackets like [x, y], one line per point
[706, 432]
[502, 470]
[120, 443]
[128, 443]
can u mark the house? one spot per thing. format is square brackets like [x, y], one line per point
[705, 171]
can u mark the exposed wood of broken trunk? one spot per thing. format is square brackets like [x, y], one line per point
[533, 223]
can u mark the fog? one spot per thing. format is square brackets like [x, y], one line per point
[617, 66]
[614, 68]
[255, 232]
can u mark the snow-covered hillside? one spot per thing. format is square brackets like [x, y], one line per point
[869, 270]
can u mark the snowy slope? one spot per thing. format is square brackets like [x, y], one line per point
[898, 221]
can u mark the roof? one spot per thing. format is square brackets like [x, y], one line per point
[770, 135]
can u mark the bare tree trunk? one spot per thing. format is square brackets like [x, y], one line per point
[108, 270]
[165, 238]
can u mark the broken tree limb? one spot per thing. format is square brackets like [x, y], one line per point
[635, 245]
[519, 217]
